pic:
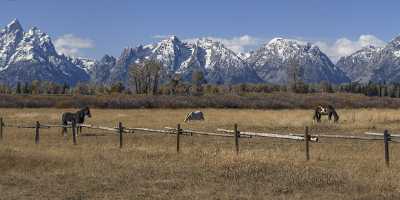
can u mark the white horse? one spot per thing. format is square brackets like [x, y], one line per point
[195, 115]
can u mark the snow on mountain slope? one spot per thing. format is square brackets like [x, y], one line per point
[274, 62]
[357, 66]
[222, 65]
[219, 64]
[10, 36]
[370, 64]
[28, 56]
[84, 63]
[386, 63]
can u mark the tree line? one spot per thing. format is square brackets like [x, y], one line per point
[147, 78]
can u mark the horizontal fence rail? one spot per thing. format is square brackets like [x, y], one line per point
[151, 130]
[120, 130]
[270, 135]
[114, 130]
[194, 132]
[381, 134]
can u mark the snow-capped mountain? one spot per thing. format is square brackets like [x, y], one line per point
[100, 72]
[10, 36]
[30, 55]
[386, 63]
[219, 64]
[358, 66]
[119, 72]
[372, 64]
[84, 63]
[278, 59]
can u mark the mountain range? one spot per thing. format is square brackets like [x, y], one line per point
[30, 55]
[371, 64]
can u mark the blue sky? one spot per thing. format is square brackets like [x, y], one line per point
[95, 27]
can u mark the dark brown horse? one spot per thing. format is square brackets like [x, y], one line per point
[77, 118]
[325, 110]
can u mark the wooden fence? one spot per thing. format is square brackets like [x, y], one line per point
[120, 130]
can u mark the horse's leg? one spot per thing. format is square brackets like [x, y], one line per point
[64, 129]
[335, 117]
[63, 122]
[316, 116]
[78, 130]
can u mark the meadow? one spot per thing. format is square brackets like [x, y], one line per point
[148, 167]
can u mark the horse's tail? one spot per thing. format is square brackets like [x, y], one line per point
[188, 117]
[316, 116]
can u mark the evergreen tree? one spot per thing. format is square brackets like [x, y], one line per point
[18, 89]
[26, 89]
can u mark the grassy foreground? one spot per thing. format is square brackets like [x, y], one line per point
[207, 168]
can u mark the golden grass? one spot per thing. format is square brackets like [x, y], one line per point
[207, 168]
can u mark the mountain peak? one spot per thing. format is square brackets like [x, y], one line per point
[395, 42]
[171, 39]
[204, 41]
[14, 25]
[210, 43]
[286, 42]
[370, 48]
[275, 40]
[272, 62]
[34, 29]
[107, 58]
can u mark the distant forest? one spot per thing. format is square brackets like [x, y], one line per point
[145, 80]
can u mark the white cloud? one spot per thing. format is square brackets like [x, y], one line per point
[72, 45]
[344, 46]
[239, 44]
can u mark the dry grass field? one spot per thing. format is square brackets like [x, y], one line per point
[148, 166]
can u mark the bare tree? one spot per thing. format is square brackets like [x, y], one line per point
[295, 74]
[198, 80]
[145, 77]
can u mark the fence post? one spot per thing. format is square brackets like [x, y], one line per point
[386, 139]
[74, 132]
[120, 129]
[307, 139]
[237, 135]
[178, 134]
[1, 128]
[37, 137]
